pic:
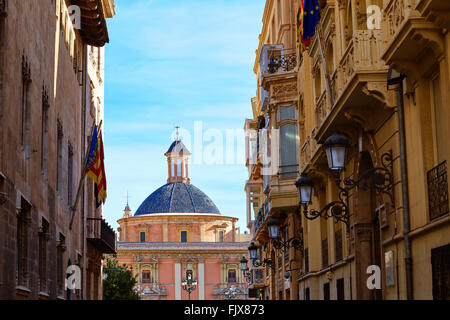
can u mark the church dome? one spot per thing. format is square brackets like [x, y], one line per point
[177, 197]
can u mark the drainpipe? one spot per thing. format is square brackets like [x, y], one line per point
[405, 193]
[83, 150]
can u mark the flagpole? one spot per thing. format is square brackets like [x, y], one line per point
[83, 176]
[325, 68]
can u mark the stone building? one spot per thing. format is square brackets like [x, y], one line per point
[380, 93]
[177, 233]
[51, 93]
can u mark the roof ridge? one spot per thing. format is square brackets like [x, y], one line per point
[190, 196]
[171, 196]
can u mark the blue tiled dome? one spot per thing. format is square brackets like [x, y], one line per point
[177, 197]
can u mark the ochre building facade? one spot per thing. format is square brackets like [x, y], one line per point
[339, 85]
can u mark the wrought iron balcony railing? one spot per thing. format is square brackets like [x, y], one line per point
[283, 63]
[438, 191]
[101, 235]
[262, 215]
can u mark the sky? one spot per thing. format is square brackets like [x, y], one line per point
[186, 63]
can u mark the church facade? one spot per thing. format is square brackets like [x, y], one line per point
[178, 235]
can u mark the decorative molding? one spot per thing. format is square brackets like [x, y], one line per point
[283, 91]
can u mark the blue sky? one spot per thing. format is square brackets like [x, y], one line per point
[174, 62]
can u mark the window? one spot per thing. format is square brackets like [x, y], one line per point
[287, 113]
[340, 289]
[438, 191]
[69, 175]
[23, 220]
[44, 133]
[306, 260]
[286, 252]
[338, 244]
[307, 294]
[330, 59]
[439, 125]
[326, 291]
[232, 276]
[43, 241]
[317, 83]
[60, 272]
[146, 276]
[142, 236]
[183, 236]
[24, 108]
[288, 150]
[325, 253]
[324, 238]
[173, 167]
[220, 236]
[440, 262]
[178, 168]
[59, 152]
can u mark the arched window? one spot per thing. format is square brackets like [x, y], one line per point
[317, 83]
[231, 278]
[179, 167]
[330, 58]
[146, 276]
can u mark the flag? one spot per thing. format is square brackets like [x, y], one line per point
[311, 16]
[92, 163]
[302, 44]
[101, 184]
[95, 167]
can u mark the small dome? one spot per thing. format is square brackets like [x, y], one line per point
[178, 147]
[177, 197]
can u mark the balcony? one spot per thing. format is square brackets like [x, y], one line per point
[278, 71]
[281, 62]
[358, 80]
[412, 31]
[261, 217]
[435, 11]
[101, 235]
[257, 278]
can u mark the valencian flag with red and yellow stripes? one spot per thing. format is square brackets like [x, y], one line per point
[302, 44]
[95, 166]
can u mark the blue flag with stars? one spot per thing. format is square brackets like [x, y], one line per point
[311, 17]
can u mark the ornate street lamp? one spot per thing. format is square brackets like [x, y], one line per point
[254, 256]
[244, 268]
[336, 209]
[189, 285]
[336, 147]
[274, 233]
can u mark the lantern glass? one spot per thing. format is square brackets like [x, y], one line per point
[244, 264]
[305, 193]
[253, 250]
[274, 229]
[336, 157]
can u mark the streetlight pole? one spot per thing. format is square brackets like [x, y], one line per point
[189, 285]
